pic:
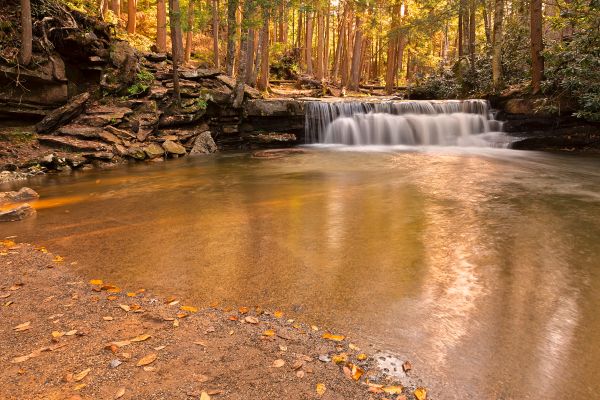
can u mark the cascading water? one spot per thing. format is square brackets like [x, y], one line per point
[444, 123]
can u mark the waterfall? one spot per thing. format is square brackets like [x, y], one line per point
[445, 123]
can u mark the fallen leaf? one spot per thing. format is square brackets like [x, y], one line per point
[107, 318]
[115, 363]
[340, 358]
[149, 369]
[406, 366]
[347, 372]
[4, 295]
[353, 347]
[356, 371]
[181, 315]
[119, 393]
[243, 310]
[300, 374]
[141, 338]
[71, 333]
[282, 347]
[335, 338]
[233, 318]
[278, 363]
[114, 290]
[159, 348]
[96, 282]
[204, 396]
[57, 334]
[111, 298]
[149, 359]
[79, 376]
[392, 389]
[314, 328]
[22, 327]
[58, 259]
[269, 332]
[200, 343]
[278, 314]
[251, 320]
[131, 294]
[361, 357]
[420, 393]
[188, 308]
[119, 344]
[125, 307]
[79, 386]
[297, 364]
[321, 389]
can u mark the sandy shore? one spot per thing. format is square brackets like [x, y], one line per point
[65, 338]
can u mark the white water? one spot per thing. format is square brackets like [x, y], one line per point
[412, 123]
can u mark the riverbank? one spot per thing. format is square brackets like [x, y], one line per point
[67, 338]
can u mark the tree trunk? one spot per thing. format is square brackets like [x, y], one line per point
[339, 48]
[215, 32]
[103, 8]
[115, 7]
[257, 57]
[486, 24]
[356, 56]
[326, 55]
[537, 46]
[190, 33]
[176, 47]
[238, 93]
[161, 26]
[131, 11]
[231, 36]
[320, 45]
[393, 41]
[460, 29]
[497, 45]
[472, 39]
[26, 33]
[250, 56]
[309, 35]
[263, 81]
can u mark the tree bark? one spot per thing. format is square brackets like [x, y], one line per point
[131, 11]
[497, 45]
[320, 45]
[537, 46]
[115, 7]
[238, 93]
[26, 33]
[263, 81]
[215, 32]
[176, 47]
[393, 41]
[309, 35]
[250, 56]
[190, 33]
[472, 38]
[231, 36]
[356, 56]
[339, 48]
[161, 26]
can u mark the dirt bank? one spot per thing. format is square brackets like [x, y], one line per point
[64, 338]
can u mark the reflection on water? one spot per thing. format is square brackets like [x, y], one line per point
[480, 266]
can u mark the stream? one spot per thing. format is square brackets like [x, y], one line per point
[479, 265]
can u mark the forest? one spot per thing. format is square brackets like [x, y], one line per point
[432, 49]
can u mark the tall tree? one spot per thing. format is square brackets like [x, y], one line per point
[215, 32]
[190, 31]
[131, 13]
[161, 26]
[176, 46]
[238, 93]
[263, 81]
[320, 45]
[356, 55]
[115, 7]
[497, 45]
[537, 45]
[26, 33]
[232, 6]
[309, 36]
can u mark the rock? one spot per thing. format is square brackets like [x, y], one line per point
[273, 138]
[120, 150]
[101, 155]
[136, 152]
[277, 153]
[519, 106]
[109, 137]
[204, 144]
[154, 150]
[24, 194]
[123, 134]
[72, 143]
[274, 107]
[173, 148]
[63, 114]
[179, 119]
[82, 131]
[195, 74]
[17, 214]
[155, 57]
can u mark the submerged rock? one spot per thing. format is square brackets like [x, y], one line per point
[17, 214]
[24, 194]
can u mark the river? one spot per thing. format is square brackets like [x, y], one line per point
[480, 266]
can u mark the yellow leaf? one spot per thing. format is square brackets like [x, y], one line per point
[278, 314]
[119, 393]
[107, 318]
[149, 359]
[114, 290]
[269, 332]
[71, 333]
[335, 338]
[251, 320]
[321, 389]
[79, 376]
[79, 387]
[361, 357]
[204, 396]
[420, 393]
[353, 347]
[188, 308]
[340, 358]
[392, 389]
[356, 372]
[22, 327]
[57, 334]
[58, 259]
[131, 294]
[96, 282]
[243, 310]
[141, 338]
[124, 307]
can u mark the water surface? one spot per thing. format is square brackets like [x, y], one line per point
[481, 266]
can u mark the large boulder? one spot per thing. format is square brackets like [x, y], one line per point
[63, 114]
[16, 214]
[173, 148]
[154, 150]
[204, 144]
[273, 107]
[23, 195]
